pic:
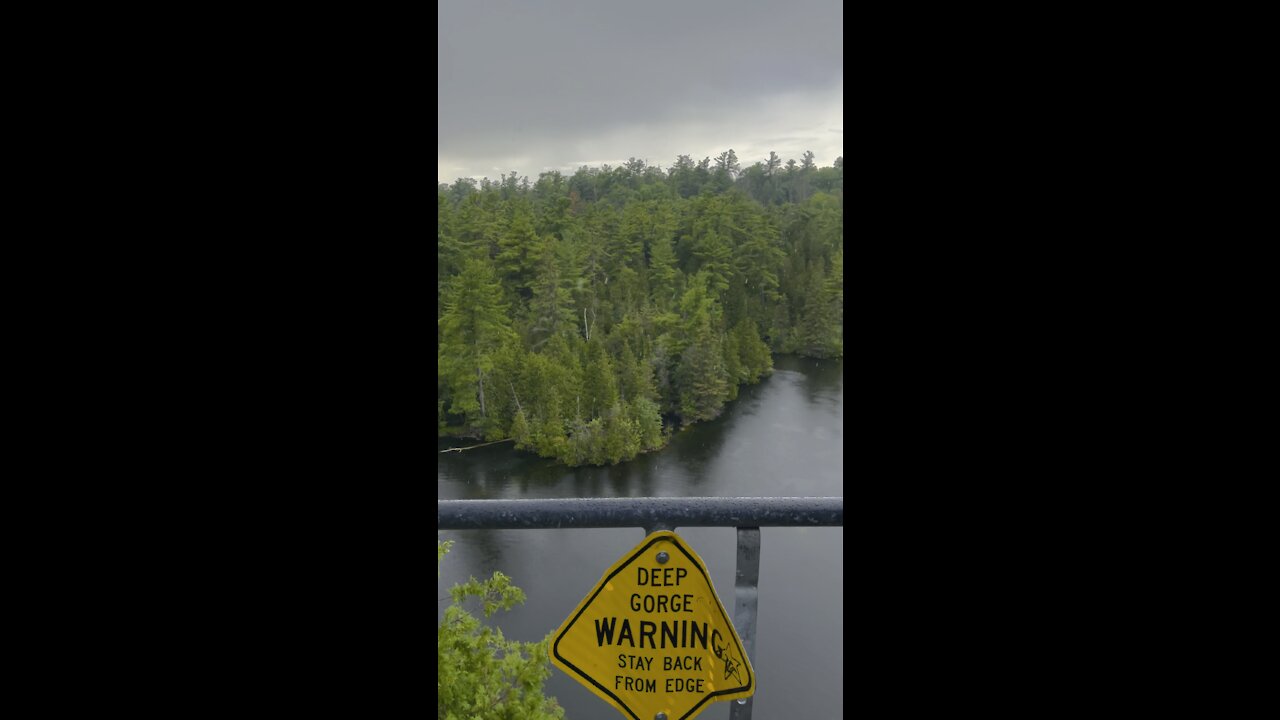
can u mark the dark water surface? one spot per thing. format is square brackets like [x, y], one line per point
[782, 437]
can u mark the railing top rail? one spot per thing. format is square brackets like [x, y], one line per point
[641, 512]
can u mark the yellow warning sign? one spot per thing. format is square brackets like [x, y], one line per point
[653, 637]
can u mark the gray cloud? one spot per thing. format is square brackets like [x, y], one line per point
[533, 85]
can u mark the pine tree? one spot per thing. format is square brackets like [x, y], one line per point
[701, 377]
[758, 259]
[621, 440]
[551, 305]
[817, 323]
[782, 337]
[753, 354]
[701, 381]
[835, 294]
[574, 312]
[663, 272]
[473, 326]
[520, 430]
[648, 422]
[599, 385]
[519, 249]
[501, 397]
[715, 258]
[733, 366]
[549, 434]
[626, 248]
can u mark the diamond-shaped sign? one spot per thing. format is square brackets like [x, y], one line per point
[653, 637]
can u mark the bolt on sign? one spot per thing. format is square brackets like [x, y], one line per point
[652, 637]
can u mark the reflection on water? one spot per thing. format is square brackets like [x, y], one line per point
[781, 437]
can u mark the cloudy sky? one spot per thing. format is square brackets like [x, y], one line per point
[537, 85]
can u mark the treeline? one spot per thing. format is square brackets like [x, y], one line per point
[583, 315]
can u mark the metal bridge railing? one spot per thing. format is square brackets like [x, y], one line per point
[747, 514]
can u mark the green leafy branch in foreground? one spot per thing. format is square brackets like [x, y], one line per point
[481, 674]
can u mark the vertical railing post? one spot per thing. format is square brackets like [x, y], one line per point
[745, 593]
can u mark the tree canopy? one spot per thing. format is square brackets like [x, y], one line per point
[584, 316]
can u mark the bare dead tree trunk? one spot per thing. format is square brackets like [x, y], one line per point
[480, 375]
[514, 395]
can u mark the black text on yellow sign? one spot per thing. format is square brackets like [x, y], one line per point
[652, 636]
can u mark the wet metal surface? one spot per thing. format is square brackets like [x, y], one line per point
[745, 593]
[649, 513]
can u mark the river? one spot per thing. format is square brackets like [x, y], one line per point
[781, 437]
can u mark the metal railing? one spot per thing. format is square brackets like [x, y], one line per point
[748, 515]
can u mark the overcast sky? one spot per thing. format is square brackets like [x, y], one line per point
[537, 85]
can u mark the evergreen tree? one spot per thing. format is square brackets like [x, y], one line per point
[502, 398]
[733, 367]
[817, 325]
[474, 325]
[732, 364]
[621, 439]
[551, 305]
[519, 249]
[574, 311]
[835, 294]
[715, 259]
[648, 423]
[753, 354]
[663, 273]
[600, 384]
[701, 378]
[728, 162]
[520, 431]
[481, 674]
[635, 377]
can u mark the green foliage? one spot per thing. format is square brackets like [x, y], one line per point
[662, 272]
[635, 377]
[818, 329]
[520, 430]
[644, 414]
[713, 253]
[702, 382]
[480, 674]
[520, 249]
[754, 359]
[834, 289]
[599, 383]
[579, 311]
[734, 368]
[550, 309]
[473, 326]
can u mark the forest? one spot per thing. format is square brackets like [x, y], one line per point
[586, 317]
